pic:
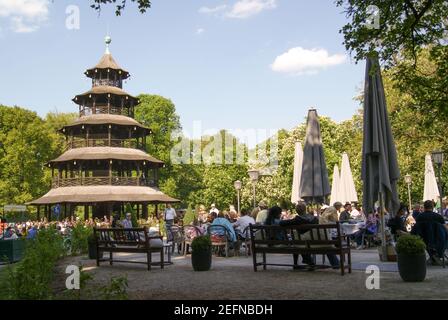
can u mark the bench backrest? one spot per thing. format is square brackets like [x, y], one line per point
[119, 236]
[306, 235]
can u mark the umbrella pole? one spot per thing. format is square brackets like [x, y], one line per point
[382, 229]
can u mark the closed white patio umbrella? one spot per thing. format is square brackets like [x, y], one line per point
[334, 197]
[298, 162]
[431, 190]
[347, 190]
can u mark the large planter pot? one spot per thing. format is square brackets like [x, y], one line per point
[11, 250]
[93, 250]
[201, 260]
[412, 268]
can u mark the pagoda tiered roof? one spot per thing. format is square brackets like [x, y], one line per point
[107, 62]
[94, 194]
[107, 153]
[104, 90]
[106, 119]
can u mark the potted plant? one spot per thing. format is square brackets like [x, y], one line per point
[92, 247]
[411, 253]
[201, 256]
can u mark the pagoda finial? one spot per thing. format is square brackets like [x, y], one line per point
[107, 40]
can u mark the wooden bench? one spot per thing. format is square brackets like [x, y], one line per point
[135, 240]
[311, 239]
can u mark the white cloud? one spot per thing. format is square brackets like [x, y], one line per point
[247, 8]
[200, 31]
[306, 61]
[24, 15]
[207, 10]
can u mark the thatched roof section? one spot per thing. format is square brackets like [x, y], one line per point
[102, 118]
[94, 194]
[106, 153]
[108, 62]
[102, 90]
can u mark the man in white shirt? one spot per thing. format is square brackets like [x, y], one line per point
[242, 223]
[169, 216]
[355, 213]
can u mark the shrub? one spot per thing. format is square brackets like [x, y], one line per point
[189, 216]
[33, 274]
[116, 290]
[410, 244]
[201, 243]
[80, 234]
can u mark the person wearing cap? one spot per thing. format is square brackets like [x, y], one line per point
[263, 213]
[213, 209]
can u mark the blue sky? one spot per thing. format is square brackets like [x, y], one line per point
[227, 63]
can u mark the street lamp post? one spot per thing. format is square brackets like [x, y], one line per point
[254, 175]
[237, 184]
[437, 158]
[408, 180]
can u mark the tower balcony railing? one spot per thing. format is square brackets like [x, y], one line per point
[104, 109]
[107, 82]
[115, 143]
[102, 181]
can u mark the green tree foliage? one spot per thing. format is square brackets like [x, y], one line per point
[120, 5]
[26, 145]
[407, 29]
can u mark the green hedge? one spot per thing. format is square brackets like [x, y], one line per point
[32, 276]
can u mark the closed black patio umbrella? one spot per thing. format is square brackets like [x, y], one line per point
[380, 171]
[314, 184]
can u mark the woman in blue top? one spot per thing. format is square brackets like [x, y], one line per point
[220, 220]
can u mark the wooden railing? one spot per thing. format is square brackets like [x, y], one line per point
[101, 181]
[106, 82]
[87, 111]
[115, 143]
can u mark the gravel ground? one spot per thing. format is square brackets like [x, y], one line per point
[234, 278]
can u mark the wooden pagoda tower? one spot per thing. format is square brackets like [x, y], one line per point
[105, 164]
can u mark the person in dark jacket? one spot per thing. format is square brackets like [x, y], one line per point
[397, 224]
[302, 218]
[431, 227]
[345, 215]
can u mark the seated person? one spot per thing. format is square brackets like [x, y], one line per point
[371, 227]
[345, 215]
[10, 234]
[242, 224]
[221, 220]
[330, 216]
[397, 224]
[431, 227]
[302, 218]
[273, 219]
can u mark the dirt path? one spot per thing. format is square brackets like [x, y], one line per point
[234, 278]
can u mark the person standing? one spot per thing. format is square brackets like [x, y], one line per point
[169, 216]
